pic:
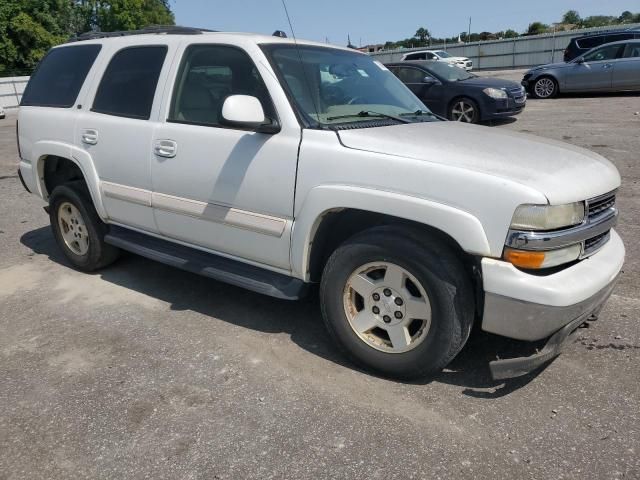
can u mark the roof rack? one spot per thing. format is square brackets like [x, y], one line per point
[152, 29]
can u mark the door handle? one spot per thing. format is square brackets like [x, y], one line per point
[607, 65]
[166, 148]
[90, 136]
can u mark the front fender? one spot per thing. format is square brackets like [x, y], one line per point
[78, 156]
[463, 227]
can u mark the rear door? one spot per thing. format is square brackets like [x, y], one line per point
[626, 70]
[596, 72]
[116, 129]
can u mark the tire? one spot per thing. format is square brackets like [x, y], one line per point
[464, 110]
[438, 273]
[78, 230]
[544, 88]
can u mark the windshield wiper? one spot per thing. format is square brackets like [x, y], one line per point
[369, 113]
[419, 113]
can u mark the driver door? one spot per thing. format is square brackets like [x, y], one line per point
[596, 72]
[429, 93]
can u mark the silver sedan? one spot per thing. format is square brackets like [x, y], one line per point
[611, 67]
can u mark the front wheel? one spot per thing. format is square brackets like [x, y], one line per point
[545, 87]
[396, 302]
[464, 110]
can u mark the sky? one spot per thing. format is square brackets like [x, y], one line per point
[376, 21]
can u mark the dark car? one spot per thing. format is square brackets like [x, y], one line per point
[458, 95]
[581, 45]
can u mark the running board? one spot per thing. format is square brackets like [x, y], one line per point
[209, 265]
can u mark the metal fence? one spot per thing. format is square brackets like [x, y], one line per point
[11, 89]
[518, 52]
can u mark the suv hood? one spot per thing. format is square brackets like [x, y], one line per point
[562, 172]
[456, 59]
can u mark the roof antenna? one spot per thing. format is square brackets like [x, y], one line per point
[304, 70]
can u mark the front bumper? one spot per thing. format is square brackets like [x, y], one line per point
[503, 108]
[530, 307]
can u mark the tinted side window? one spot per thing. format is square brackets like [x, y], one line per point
[618, 37]
[591, 42]
[208, 75]
[410, 75]
[129, 83]
[604, 53]
[416, 56]
[59, 76]
[632, 50]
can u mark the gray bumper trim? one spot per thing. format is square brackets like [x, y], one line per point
[533, 321]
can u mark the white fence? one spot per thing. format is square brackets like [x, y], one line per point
[509, 53]
[11, 89]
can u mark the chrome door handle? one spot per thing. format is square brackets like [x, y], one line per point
[166, 148]
[90, 136]
[607, 65]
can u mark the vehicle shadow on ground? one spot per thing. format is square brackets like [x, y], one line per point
[300, 320]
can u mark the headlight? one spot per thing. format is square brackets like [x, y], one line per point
[495, 93]
[547, 217]
[536, 260]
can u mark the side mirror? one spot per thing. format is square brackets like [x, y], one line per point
[243, 111]
[580, 60]
[429, 80]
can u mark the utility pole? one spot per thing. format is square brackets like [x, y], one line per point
[469, 34]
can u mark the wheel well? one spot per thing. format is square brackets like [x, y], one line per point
[336, 227]
[58, 171]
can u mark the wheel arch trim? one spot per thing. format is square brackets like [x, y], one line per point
[463, 227]
[81, 158]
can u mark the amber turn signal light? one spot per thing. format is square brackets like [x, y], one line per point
[523, 258]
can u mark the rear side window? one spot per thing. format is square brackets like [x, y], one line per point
[129, 83]
[59, 76]
[618, 37]
[416, 56]
[591, 42]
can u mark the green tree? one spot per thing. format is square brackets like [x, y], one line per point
[29, 28]
[511, 34]
[626, 17]
[572, 17]
[536, 28]
[422, 34]
[599, 21]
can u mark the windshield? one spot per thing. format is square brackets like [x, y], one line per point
[330, 86]
[448, 72]
[442, 54]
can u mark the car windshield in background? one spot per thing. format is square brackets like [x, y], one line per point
[330, 86]
[443, 54]
[449, 72]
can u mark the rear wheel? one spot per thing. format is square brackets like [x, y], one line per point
[464, 110]
[396, 302]
[545, 87]
[77, 228]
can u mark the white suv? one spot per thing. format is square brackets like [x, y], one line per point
[439, 55]
[273, 165]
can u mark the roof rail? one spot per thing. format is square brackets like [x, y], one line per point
[152, 29]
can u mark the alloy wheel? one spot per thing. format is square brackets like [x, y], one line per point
[463, 111]
[545, 88]
[73, 229]
[387, 307]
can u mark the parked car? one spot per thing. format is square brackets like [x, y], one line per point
[273, 164]
[581, 45]
[458, 95]
[609, 68]
[439, 56]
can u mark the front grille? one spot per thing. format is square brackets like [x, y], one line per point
[518, 95]
[593, 244]
[600, 204]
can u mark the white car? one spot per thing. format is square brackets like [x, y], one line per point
[273, 165]
[440, 55]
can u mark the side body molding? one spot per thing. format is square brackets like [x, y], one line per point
[461, 226]
[76, 155]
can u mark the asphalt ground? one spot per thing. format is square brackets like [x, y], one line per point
[145, 371]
